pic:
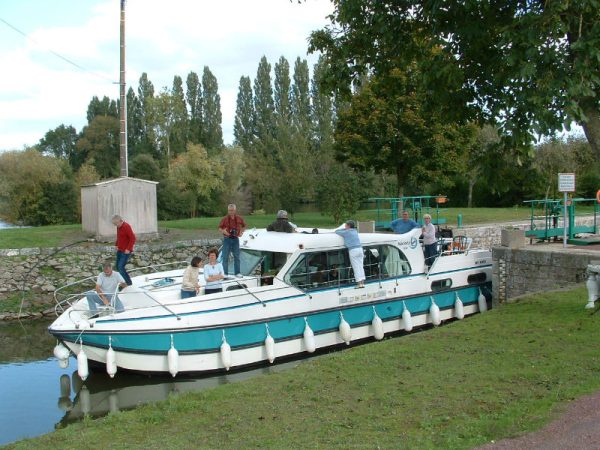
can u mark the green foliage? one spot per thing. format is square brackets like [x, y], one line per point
[341, 192]
[104, 107]
[99, 145]
[388, 128]
[35, 189]
[529, 66]
[243, 127]
[143, 166]
[197, 176]
[193, 98]
[212, 133]
[61, 143]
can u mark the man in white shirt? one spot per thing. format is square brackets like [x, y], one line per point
[106, 289]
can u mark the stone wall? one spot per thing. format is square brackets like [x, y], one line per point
[536, 269]
[33, 274]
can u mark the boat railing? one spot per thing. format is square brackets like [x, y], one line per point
[334, 277]
[65, 296]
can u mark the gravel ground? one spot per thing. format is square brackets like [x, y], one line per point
[576, 428]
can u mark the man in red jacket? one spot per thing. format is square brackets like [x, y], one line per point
[124, 244]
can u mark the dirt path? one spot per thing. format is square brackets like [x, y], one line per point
[576, 428]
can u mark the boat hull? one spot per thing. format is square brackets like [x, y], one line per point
[199, 350]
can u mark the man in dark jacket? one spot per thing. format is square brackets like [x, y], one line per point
[281, 224]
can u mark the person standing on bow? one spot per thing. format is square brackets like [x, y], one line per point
[124, 244]
[352, 243]
[232, 226]
[429, 241]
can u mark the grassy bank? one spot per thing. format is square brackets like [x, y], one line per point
[59, 235]
[493, 375]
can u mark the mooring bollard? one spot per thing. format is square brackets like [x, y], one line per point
[593, 283]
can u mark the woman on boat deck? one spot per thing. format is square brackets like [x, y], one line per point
[429, 241]
[352, 243]
[189, 284]
[213, 273]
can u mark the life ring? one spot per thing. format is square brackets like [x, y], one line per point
[598, 196]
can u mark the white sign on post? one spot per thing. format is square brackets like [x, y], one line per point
[566, 182]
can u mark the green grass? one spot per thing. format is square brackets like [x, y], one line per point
[493, 375]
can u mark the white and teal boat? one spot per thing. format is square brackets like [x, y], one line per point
[297, 295]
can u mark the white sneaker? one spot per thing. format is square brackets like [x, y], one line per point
[239, 275]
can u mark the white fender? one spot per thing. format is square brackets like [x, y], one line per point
[482, 302]
[345, 330]
[82, 365]
[269, 345]
[377, 325]
[270, 348]
[225, 353]
[407, 319]
[61, 352]
[111, 361]
[592, 287]
[63, 363]
[459, 311]
[434, 312]
[173, 359]
[309, 338]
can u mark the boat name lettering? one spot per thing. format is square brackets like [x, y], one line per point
[362, 297]
[412, 243]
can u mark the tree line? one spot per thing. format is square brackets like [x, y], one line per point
[297, 139]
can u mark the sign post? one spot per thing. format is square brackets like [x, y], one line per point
[566, 183]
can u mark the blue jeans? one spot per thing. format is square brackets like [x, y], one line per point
[430, 253]
[231, 245]
[94, 300]
[122, 259]
[187, 294]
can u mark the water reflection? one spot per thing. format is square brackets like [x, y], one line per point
[37, 395]
[27, 340]
[100, 394]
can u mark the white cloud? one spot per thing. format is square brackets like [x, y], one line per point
[164, 39]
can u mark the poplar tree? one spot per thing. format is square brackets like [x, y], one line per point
[211, 130]
[145, 96]
[243, 127]
[179, 131]
[194, 102]
[134, 122]
[264, 108]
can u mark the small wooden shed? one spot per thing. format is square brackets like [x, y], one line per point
[131, 198]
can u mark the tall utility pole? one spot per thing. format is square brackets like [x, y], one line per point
[123, 112]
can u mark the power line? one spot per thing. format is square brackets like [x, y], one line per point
[58, 55]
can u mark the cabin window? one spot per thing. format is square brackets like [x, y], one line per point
[385, 261]
[477, 278]
[324, 269]
[439, 285]
[320, 269]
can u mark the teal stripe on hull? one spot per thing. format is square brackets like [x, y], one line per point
[209, 340]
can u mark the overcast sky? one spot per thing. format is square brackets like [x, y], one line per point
[40, 90]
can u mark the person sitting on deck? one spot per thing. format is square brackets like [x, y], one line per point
[106, 289]
[282, 224]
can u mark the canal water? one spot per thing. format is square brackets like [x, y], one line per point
[37, 396]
